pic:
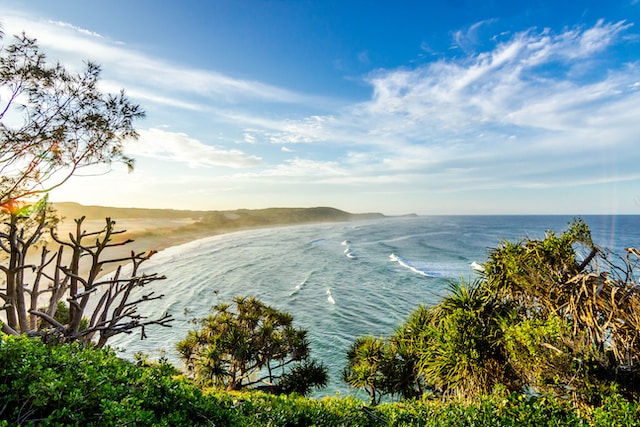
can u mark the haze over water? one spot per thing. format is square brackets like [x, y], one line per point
[340, 280]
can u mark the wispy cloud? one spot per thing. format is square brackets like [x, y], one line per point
[521, 104]
[68, 42]
[179, 147]
[496, 86]
[308, 130]
[74, 28]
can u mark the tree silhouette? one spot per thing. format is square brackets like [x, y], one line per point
[53, 123]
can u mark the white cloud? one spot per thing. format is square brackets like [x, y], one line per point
[468, 39]
[249, 138]
[454, 120]
[300, 169]
[178, 147]
[74, 28]
[307, 130]
[71, 44]
[502, 87]
[537, 109]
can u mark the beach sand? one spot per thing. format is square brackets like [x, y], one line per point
[154, 234]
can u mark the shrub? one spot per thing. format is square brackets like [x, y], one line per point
[73, 385]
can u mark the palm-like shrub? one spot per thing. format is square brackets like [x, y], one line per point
[460, 351]
[248, 344]
[365, 366]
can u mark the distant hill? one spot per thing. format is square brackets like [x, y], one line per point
[206, 220]
[71, 210]
[276, 216]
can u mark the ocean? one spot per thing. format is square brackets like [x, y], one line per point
[339, 280]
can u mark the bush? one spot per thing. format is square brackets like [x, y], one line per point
[73, 385]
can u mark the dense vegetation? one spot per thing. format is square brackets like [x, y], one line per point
[244, 218]
[482, 357]
[73, 385]
[556, 316]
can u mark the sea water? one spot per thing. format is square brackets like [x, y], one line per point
[339, 280]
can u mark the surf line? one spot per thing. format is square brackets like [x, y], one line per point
[300, 285]
[406, 264]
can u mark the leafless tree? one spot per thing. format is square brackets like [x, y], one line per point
[96, 307]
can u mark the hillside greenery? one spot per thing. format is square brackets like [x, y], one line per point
[74, 385]
[214, 219]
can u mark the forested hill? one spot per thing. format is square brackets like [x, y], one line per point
[217, 219]
[277, 216]
[71, 210]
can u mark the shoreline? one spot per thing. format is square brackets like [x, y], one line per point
[158, 235]
[146, 236]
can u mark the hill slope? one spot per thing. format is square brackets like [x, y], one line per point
[214, 220]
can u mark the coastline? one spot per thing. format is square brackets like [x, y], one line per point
[156, 235]
[147, 235]
[154, 230]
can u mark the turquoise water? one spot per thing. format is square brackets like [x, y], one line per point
[340, 280]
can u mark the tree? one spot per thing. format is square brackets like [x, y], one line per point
[460, 351]
[578, 320]
[248, 344]
[111, 303]
[365, 366]
[53, 123]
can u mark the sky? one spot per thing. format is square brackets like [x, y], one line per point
[427, 107]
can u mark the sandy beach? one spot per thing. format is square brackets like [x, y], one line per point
[153, 234]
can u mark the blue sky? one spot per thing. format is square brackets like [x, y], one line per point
[453, 106]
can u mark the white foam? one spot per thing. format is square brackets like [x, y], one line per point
[349, 254]
[301, 285]
[330, 297]
[418, 270]
[477, 267]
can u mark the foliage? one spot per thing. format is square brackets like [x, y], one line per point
[254, 409]
[497, 409]
[460, 353]
[452, 349]
[365, 366]
[578, 324]
[53, 122]
[73, 385]
[249, 344]
[303, 377]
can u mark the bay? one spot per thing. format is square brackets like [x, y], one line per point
[340, 280]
